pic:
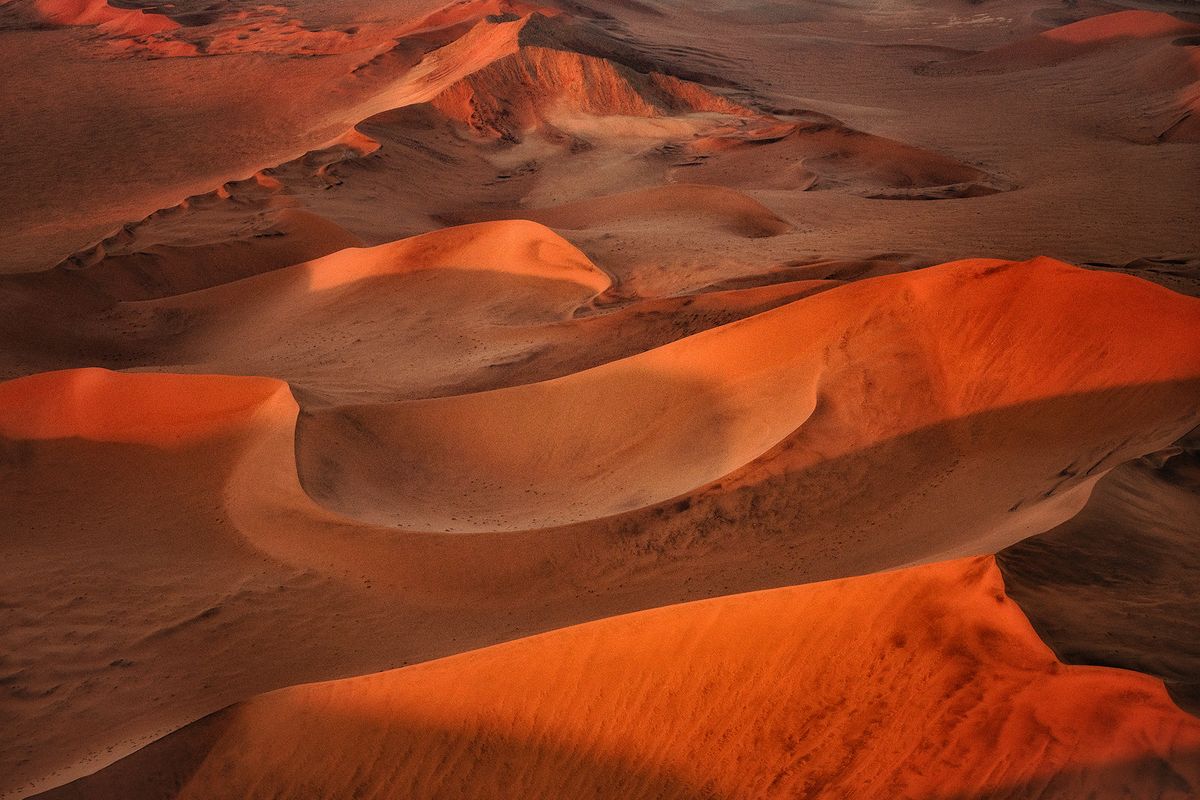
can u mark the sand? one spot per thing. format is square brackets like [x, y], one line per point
[564, 399]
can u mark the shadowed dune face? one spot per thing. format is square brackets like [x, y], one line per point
[1117, 584]
[881, 686]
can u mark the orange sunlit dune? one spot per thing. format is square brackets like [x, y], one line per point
[599, 399]
[872, 686]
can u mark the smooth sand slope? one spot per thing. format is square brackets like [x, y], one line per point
[922, 683]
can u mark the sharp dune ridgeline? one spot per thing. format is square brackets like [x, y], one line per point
[597, 399]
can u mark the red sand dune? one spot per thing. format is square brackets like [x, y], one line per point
[1078, 39]
[110, 19]
[514, 247]
[1165, 66]
[922, 683]
[524, 90]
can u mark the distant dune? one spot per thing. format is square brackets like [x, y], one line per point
[109, 18]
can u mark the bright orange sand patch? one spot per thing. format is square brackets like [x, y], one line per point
[923, 683]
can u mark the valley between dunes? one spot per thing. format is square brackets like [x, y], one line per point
[634, 399]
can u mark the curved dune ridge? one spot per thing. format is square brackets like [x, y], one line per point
[513, 73]
[927, 682]
[510, 247]
[961, 339]
[233, 500]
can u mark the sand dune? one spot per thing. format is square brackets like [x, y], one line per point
[723, 209]
[1077, 40]
[880, 686]
[508, 76]
[149, 270]
[1166, 63]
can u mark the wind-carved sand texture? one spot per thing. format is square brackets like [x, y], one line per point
[636, 399]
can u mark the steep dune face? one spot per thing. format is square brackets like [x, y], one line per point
[833, 423]
[115, 535]
[716, 402]
[927, 682]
